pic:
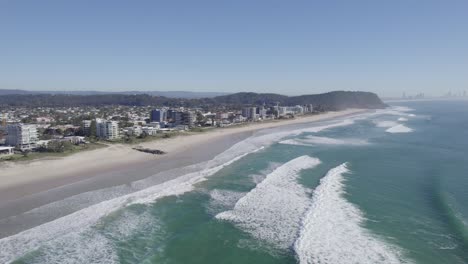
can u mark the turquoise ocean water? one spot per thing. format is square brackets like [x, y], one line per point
[383, 187]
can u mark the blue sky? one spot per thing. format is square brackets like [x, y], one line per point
[288, 47]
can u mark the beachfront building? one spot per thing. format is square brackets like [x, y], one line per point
[150, 131]
[21, 136]
[155, 125]
[108, 130]
[250, 113]
[298, 109]
[133, 131]
[188, 118]
[158, 115]
[86, 124]
[6, 151]
[309, 108]
[183, 118]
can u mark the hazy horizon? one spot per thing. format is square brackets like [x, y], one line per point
[304, 47]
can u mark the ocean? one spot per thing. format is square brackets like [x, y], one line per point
[385, 186]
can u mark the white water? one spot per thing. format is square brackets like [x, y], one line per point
[386, 123]
[272, 210]
[332, 231]
[73, 237]
[73, 232]
[399, 129]
[313, 140]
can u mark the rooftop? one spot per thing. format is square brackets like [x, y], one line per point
[6, 148]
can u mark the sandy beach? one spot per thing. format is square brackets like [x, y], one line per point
[27, 185]
[14, 174]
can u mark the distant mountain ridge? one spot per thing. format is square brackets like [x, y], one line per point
[169, 94]
[336, 100]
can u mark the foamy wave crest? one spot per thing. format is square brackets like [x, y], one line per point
[402, 119]
[385, 123]
[272, 210]
[224, 199]
[332, 229]
[399, 129]
[396, 111]
[265, 138]
[79, 224]
[313, 140]
[317, 129]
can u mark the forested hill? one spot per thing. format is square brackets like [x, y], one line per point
[336, 100]
[328, 101]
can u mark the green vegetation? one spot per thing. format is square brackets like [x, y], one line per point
[327, 101]
[57, 150]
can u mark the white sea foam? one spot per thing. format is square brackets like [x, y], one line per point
[385, 123]
[332, 231]
[313, 140]
[399, 129]
[402, 119]
[126, 223]
[402, 108]
[272, 210]
[76, 247]
[268, 137]
[317, 129]
[396, 111]
[79, 223]
[225, 198]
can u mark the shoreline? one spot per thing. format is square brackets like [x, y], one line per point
[27, 186]
[120, 155]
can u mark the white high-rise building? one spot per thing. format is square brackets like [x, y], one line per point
[250, 113]
[107, 129]
[21, 136]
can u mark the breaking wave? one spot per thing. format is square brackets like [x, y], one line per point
[272, 211]
[332, 229]
[386, 123]
[313, 140]
[74, 231]
[399, 129]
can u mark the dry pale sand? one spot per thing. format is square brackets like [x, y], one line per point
[15, 174]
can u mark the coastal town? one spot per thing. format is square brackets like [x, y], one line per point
[26, 130]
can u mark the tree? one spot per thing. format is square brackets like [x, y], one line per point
[92, 129]
[200, 118]
[143, 135]
[59, 146]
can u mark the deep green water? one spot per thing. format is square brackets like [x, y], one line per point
[404, 199]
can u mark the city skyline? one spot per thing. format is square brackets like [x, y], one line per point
[286, 48]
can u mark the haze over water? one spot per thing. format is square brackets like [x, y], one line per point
[380, 187]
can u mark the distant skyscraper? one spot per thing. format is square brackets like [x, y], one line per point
[158, 115]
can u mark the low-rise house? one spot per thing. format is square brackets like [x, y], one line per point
[150, 131]
[6, 151]
[74, 140]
